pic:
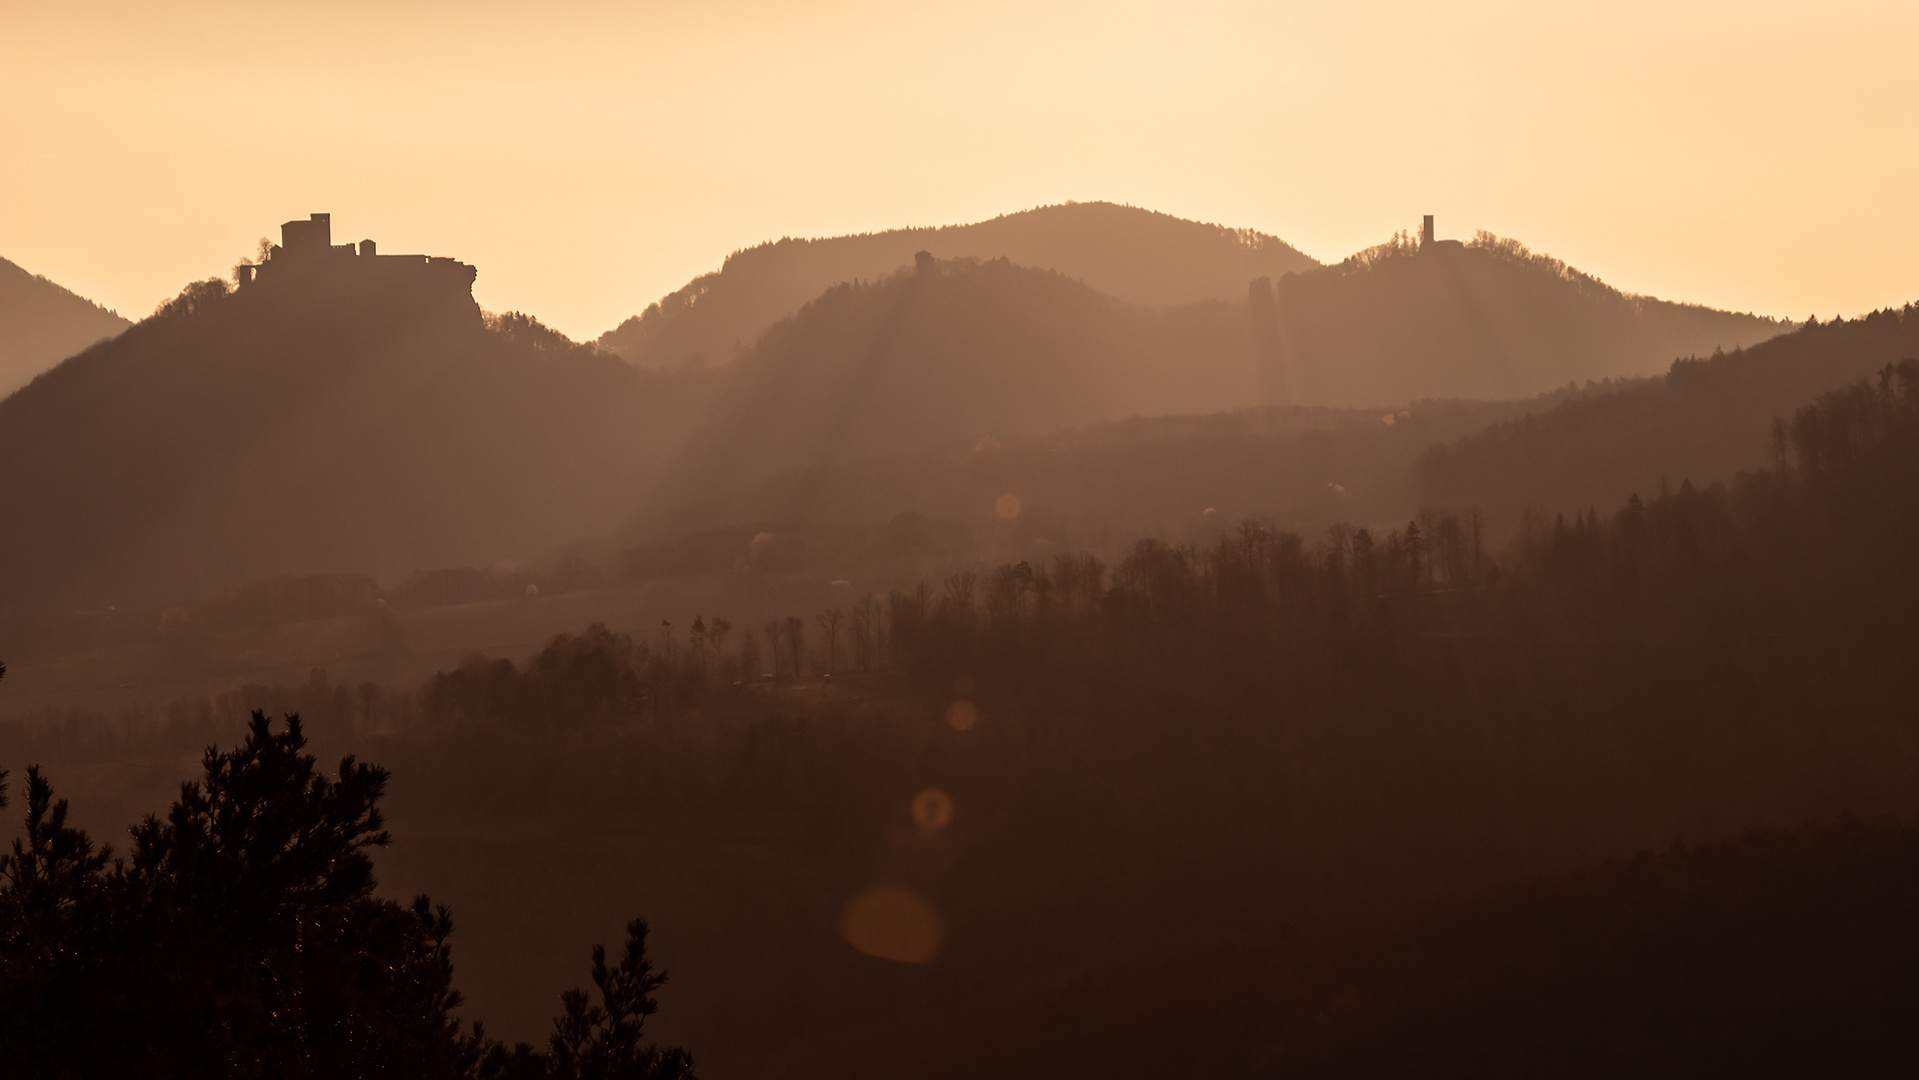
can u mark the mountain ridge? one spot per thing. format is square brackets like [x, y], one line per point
[382, 431]
[1704, 420]
[1487, 318]
[42, 323]
[954, 350]
[240, 434]
[1134, 254]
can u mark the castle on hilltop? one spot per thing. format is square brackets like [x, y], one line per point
[306, 252]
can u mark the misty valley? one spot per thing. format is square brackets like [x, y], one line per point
[1085, 642]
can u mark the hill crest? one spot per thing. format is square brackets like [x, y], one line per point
[1141, 256]
[43, 323]
[364, 423]
[1705, 420]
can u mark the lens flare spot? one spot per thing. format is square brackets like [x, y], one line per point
[1007, 506]
[1391, 419]
[892, 923]
[932, 809]
[962, 715]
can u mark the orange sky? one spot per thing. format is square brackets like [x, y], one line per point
[589, 157]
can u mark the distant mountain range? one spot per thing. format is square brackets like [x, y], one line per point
[380, 427]
[1134, 255]
[42, 324]
[951, 351]
[1403, 320]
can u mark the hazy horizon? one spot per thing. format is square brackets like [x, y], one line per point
[598, 158]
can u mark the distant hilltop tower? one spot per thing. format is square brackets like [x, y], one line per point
[307, 254]
[1426, 232]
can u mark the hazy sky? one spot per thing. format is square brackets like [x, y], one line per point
[589, 157]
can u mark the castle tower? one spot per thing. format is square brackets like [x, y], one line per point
[1426, 232]
[313, 236]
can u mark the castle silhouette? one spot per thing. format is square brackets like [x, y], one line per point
[306, 252]
[1427, 242]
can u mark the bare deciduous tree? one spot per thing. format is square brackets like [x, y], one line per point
[829, 621]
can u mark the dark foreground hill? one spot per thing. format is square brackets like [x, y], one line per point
[370, 427]
[42, 324]
[1136, 255]
[1778, 953]
[1703, 421]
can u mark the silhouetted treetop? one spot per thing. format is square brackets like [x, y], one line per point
[243, 939]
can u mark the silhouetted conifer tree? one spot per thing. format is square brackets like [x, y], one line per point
[243, 939]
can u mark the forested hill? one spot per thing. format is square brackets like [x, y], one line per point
[1703, 421]
[235, 435]
[42, 324]
[1486, 319]
[1136, 255]
[951, 351]
[1177, 477]
[955, 351]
